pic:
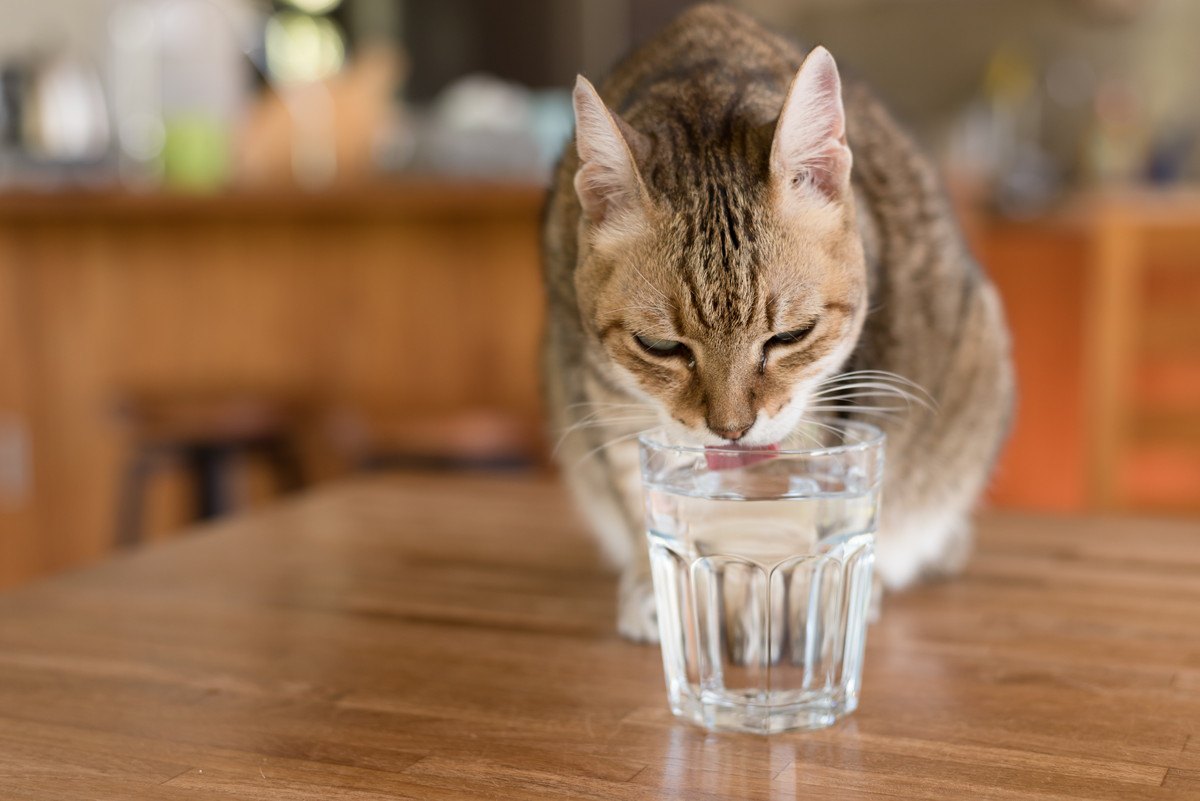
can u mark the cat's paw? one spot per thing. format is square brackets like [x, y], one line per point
[875, 607]
[637, 619]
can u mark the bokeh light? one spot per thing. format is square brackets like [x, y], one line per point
[303, 48]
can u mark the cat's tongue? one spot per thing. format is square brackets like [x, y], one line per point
[727, 457]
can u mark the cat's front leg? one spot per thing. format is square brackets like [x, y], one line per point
[637, 619]
[606, 482]
[875, 608]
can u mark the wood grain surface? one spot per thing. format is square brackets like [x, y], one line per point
[424, 637]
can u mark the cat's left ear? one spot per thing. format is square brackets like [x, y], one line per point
[607, 181]
[809, 152]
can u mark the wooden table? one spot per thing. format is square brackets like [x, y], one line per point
[451, 638]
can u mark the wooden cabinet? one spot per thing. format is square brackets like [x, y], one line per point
[414, 301]
[1103, 297]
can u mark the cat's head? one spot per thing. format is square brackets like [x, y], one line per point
[721, 273]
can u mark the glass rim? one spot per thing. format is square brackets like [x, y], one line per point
[872, 437]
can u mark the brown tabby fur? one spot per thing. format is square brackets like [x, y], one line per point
[721, 258]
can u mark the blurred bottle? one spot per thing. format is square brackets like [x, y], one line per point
[331, 114]
[179, 82]
[65, 118]
[997, 150]
[483, 127]
[1118, 139]
[13, 85]
[1028, 178]
[136, 84]
[54, 121]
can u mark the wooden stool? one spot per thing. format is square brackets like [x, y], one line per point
[464, 439]
[206, 432]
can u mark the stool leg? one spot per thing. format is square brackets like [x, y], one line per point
[133, 494]
[285, 463]
[209, 466]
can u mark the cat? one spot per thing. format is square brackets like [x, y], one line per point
[733, 241]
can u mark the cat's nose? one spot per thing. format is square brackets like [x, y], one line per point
[732, 431]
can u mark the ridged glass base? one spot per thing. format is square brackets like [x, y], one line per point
[724, 715]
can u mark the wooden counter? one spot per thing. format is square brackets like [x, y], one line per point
[413, 198]
[435, 638]
[416, 300]
[1103, 299]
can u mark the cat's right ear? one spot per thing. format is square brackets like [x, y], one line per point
[607, 181]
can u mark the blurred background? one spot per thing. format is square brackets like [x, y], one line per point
[247, 247]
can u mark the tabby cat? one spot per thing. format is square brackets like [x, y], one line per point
[734, 242]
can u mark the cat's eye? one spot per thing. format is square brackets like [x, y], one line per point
[792, 337]
[659, 347]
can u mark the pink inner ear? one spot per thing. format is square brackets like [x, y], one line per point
[607, 178]
[825, 171]
[593, 186]
[810, 139]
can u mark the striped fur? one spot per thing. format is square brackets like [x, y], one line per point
[715, 247]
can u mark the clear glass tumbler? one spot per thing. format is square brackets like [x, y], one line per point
[762, 565]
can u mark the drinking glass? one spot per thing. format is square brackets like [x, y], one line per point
[762, 563]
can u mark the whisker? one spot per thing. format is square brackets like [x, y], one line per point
[811, 422]
[616, 418]
[606, 405]
[856, 396]
[584, 425]
[874, 383]
[616, 411]
[847, 408]
[870, 387]
[887, 373]
[879, 376]
[868, 397]
[874, 375]
[638, 308]
[607, 421]
[602, 446]
[655, 289]
[856, 409]
[879, 389]
[825, 426]
[883, 414]
[816, 442]
[658, 332]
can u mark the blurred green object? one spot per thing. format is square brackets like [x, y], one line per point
[196, 154]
